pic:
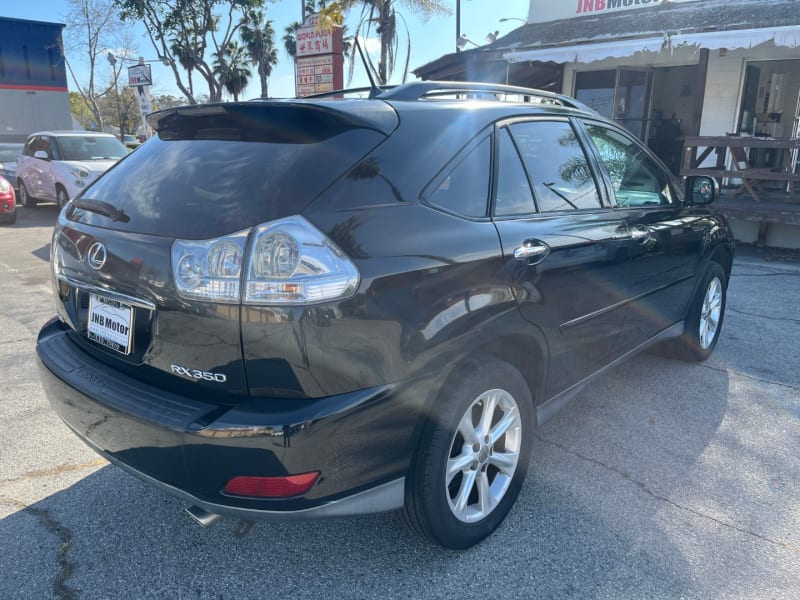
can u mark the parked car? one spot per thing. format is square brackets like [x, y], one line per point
[8, 203]
[55, 166]
[316, 308]
[8, 161]
[131, 142]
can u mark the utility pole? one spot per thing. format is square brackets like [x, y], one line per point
[113, 61]
[458, 24]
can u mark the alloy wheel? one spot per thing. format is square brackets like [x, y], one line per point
[484, 454]
[710, 312]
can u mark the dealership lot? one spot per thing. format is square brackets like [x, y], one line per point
[661, 480]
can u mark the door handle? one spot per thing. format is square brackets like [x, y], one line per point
[531, 249]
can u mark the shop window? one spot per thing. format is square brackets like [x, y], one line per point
[596, 90]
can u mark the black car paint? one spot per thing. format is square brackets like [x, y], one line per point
[343, 387]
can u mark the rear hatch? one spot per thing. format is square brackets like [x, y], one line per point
[214, 171]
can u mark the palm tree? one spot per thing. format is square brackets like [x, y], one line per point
[259, 40]
[186, 57]
[381, 17]
[231, 67]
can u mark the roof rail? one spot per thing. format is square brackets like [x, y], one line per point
[418, 90]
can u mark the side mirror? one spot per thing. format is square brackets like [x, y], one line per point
[702, 190]
[41, 154]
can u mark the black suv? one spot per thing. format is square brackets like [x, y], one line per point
[324, 307]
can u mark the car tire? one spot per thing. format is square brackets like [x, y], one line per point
[25, 198]
[61, 197]
[704, 320]
[462, 484]
[11, 220]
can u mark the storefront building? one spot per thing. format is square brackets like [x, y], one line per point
[668, 70]
[33, 79]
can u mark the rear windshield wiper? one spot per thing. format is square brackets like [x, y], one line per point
[102, 208]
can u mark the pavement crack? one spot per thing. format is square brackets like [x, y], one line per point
[67, 468]
[643, 487]
[64, 534]
[750, 314]
[752, 377]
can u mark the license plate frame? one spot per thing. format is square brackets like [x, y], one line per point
[110, 324]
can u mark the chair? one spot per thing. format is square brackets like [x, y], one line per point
[749, 176]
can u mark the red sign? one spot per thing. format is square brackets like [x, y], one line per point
[319, 66]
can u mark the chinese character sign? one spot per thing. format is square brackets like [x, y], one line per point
[318, 63]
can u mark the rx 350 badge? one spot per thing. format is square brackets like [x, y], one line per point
[198, 374]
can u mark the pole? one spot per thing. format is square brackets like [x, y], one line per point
[458, 24]
[119, 106]
[302, 11]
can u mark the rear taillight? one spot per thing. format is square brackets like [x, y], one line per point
[209, 269]
[286, 262]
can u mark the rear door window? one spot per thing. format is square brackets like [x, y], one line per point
[557, 165]
[513, 196]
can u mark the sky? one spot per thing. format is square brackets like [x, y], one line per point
[429, 40]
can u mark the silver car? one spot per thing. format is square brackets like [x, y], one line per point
[55, 166]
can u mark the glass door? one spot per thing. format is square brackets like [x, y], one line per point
[632, 101]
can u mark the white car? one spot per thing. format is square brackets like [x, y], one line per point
[55, 166]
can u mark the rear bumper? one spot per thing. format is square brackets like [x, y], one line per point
[361, 442]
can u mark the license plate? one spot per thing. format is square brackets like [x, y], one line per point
[110, 323]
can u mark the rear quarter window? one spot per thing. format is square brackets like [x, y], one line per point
[463, 188]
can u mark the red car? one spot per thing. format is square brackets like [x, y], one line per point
[8, 202]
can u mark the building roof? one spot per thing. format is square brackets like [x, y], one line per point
[664, 20]
[30, 22]
[680, 17]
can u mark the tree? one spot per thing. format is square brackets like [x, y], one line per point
[92, 29]
[192, 35]
[259, 40]
[381, 17]
[231, 67]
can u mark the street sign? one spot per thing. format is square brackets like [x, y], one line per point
[319, 66]
[139, 75]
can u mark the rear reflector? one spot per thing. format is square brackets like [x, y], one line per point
[272, 487]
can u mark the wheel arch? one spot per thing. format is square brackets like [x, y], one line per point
[723, 254]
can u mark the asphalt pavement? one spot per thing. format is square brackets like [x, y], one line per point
[661, 480]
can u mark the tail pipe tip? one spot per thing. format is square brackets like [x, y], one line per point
[202, 516]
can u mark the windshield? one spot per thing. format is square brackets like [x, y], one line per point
[90, 147]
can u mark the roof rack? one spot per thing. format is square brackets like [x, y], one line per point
[419, 90]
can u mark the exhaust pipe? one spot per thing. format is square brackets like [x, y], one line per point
[202, 516]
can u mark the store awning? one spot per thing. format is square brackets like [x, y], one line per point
[711, 40]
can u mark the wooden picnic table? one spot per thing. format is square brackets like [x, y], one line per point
[739, 166]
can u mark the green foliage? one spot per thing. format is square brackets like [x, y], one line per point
[196, 37]
[379, 17]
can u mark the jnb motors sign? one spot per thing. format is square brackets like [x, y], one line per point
[318, 66]
[542, 11]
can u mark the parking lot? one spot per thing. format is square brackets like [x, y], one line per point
[661, 480]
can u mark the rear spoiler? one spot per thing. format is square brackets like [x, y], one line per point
[282, 121]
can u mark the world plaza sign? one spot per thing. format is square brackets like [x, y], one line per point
[319, 66]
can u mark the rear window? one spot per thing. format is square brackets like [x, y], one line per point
[208, 181]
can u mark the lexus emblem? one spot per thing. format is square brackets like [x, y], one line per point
[96, 257]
